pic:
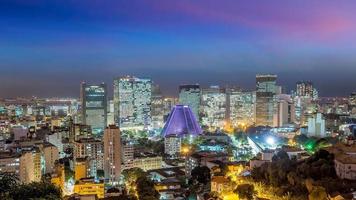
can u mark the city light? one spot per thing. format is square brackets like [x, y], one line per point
[270, 141]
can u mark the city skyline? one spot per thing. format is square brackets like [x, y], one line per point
[50, 47]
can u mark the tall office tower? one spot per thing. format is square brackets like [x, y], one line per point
[112, 154]
[132, 102]
[265, 94]
[189, 95]
[157, 108]
[306, 89]
[213, 104]
[285, 110]
[94, 106]
[92, 149]
[240, 107]
[168, 104]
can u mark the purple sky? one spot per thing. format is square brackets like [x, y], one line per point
[48, 47]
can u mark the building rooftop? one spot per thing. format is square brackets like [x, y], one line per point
[343, 153]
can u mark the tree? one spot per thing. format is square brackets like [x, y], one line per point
[37, 190]
[245, 191]
[130, 177]
[318, 193]
[201, 174]
[8, 182]
[145, 189]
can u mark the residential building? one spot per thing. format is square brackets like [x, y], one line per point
[172, 145]
[112, 154]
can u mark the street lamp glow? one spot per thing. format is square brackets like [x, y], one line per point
[270, 140]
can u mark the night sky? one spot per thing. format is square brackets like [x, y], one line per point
[48, 47]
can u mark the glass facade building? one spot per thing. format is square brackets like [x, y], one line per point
[94, 106]
[189, 95]
[265, 94]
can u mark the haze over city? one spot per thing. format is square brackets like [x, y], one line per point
[177, 100]
[48, 47]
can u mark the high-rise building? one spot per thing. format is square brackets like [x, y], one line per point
[265, 94]
[240, 107]
[189, 95]
[132, 102]
[213, 107]
[157, 111]
[168, 104]
[284, 111]
[94, 106]
[93, 150]
[306, 89]
[51, 156]
[112, 154]
[21, 165]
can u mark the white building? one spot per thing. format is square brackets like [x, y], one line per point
[132, 102]
[316, 126]
[345, 160]
[172, 145]
[284, 111]
[148, 162]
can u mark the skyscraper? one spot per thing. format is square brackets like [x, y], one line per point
[112, 154]
[241, 107]
[94, 106]
[157, 111]
[306, 89]
[265, 94]
[213, 103]
[132, 102]
[189, 95]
